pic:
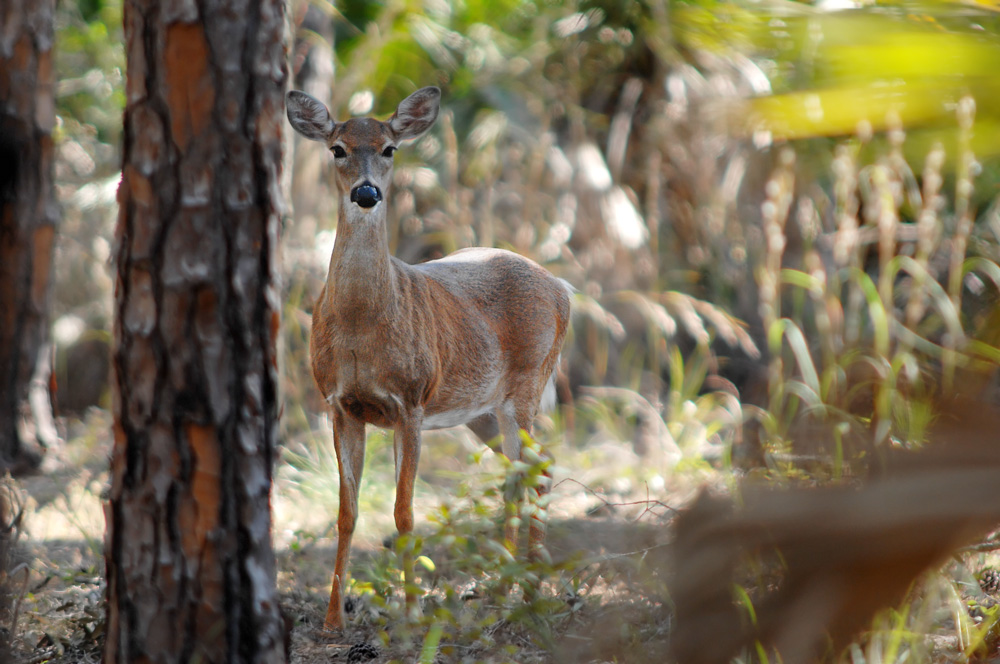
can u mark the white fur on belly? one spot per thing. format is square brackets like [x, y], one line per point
[454, 418]
[548, 400]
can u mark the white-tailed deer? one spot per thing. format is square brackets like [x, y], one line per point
[472, 338]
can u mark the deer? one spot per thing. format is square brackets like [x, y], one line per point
[473, 338]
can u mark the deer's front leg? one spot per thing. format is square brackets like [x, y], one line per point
[406, 443]
[349, 441]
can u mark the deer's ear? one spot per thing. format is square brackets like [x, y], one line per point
[309, 116]
[416, 113]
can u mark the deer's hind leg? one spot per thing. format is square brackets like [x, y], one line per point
[515, 420]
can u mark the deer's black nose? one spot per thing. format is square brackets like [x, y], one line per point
[366, 195]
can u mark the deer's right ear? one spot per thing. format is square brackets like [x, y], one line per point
[309, 116]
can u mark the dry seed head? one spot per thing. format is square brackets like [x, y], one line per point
[767, 297]
[814, 266]
[966, 113]
[928, 231]
[846, 240]
[775, 240]
[932, 182]
[842, 166]
[808, 219]
[769, 211]
[895, 133]
[864, 130]
[773, 189]
[935, 159]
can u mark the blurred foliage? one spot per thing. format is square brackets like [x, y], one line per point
[511, 56]
[90, 95]
[557, 161]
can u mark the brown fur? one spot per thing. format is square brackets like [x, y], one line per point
[472, 337]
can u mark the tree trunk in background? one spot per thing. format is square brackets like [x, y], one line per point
[28, 216]
[313, 70]
[190, 567]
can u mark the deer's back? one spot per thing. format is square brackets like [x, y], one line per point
[527, 306]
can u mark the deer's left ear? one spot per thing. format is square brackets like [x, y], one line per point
[416, 113]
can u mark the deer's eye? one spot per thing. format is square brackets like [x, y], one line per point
[338, 152]
[388, 151]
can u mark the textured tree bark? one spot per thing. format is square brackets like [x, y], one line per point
[190, 568]
[28, 216]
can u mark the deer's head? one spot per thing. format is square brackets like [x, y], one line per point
[363, 147]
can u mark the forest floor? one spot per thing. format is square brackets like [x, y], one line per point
[605, 596]
[603, 599]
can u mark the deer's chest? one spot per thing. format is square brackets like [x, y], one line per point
[370, 376]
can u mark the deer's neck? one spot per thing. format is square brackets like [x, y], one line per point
[361, 277]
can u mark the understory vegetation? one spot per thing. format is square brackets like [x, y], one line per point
[781, 223]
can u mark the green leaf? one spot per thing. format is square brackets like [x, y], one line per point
[427, 563]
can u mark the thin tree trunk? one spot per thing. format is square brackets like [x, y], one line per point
[313, 70]
[190, 567]
[28, 216]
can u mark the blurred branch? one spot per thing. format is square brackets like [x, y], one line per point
[845, 552]
[607, 503]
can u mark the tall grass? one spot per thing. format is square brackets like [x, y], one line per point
[866, 322]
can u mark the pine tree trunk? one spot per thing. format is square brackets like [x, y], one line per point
[190, 567]
[28, 216]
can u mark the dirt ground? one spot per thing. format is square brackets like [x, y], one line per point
[604, 599]
[612, 604]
